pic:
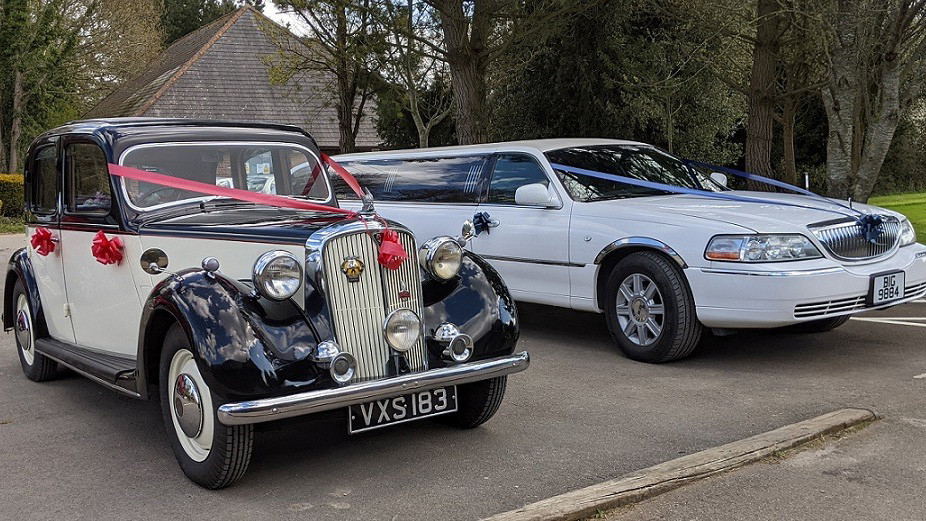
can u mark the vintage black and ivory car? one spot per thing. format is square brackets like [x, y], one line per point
[158, 266]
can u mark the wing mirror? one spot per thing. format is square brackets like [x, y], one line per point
[467, 233]
[535, 194]
[719, 178]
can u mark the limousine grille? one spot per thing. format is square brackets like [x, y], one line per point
[359, 309]
[846, 240]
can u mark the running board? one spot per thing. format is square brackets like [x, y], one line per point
[115, 372]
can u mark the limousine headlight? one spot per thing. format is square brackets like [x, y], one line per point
[907, 233]
[441, 257]
[761, 248]
[277, 274]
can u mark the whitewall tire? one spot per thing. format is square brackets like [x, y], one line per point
[36, 366]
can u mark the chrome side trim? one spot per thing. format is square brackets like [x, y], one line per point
[533, 261]
[794, 273]
[640, 241]
[311, 402]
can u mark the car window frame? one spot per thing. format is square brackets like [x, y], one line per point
[330, 201]
[32, 187]
[543, 164]
[65, 183]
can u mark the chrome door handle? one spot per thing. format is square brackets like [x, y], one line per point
[492, 223]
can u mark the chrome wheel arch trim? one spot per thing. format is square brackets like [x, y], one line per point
[646, 242]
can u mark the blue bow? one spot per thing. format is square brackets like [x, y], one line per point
[872, 227]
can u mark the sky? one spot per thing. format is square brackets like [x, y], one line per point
[283, 19]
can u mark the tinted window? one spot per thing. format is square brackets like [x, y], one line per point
[88, 179]
[445, 180]
[271, 169]
[45, 181]
[638, 162]
[512, 172]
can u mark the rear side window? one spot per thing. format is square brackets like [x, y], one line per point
[88, 179]
[431, 180]
[512, 171]
[45, 181]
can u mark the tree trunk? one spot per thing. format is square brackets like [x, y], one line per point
[465, 47]
[761, 95]
[16, 122]
[840, 99]
[788, 115]
[879, 132]
[347, 88]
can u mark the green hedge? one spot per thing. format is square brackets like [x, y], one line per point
[11, 194]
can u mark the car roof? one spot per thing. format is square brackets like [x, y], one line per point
[116, 124]
[540, 145]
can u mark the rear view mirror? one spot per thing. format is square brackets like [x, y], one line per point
[467, 233]
[535, 194]
[719, 178]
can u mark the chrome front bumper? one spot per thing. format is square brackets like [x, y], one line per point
[311, 402]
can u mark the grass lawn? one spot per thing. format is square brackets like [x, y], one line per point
[911, 205]
[8, 225]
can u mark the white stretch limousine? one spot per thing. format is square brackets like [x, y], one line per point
[660, 265]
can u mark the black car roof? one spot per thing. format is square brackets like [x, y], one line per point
[113, 125]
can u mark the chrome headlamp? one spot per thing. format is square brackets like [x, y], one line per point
[761, 248]
[441, 257]
[402, 329]
[907, 232]
[277, 274]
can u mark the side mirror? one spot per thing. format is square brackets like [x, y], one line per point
[535, 194]
[467, 233]
[719, 178]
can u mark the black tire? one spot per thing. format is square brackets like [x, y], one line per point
[680, 330]
[477, 403]
[230, 451]
[41, 368]
[820, 326]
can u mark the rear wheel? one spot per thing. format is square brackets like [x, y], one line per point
[36, 366]
[650, 310]
[209, 453]
[477, 403]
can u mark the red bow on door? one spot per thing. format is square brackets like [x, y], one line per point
[106, 250]
[43, 241]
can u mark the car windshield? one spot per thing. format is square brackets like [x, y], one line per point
[635, 161]
[280, 169]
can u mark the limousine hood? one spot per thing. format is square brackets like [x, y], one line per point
[759, 217]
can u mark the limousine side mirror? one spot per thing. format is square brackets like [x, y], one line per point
[535, 194]
[719, 178]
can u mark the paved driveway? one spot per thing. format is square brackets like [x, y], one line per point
[582, 413]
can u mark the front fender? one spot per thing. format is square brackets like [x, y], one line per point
[245, 346]
[478, 303]
[20, 266]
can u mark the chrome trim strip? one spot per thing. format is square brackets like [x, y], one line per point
[627, 242]
[795, 273]
[533, 261]
[311, 402]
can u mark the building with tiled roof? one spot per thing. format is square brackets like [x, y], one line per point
[220, 72]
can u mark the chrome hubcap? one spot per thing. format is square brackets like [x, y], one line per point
[188, 406]
[640, 309]
[23, 328]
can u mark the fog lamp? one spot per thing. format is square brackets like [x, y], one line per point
[343, 368]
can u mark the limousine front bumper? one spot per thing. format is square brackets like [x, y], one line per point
[311, 402]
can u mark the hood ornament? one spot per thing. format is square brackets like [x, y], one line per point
[367, 208]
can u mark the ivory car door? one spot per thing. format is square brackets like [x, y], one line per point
[102, 302]
[525, 231]
[42, 198]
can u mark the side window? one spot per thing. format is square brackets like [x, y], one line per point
[45, 181]
[88, 188]
[438, 180]
[511, 172]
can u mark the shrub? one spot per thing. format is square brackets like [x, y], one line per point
[11, 194]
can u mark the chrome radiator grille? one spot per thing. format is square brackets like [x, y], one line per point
[359, 308]
[846, 240]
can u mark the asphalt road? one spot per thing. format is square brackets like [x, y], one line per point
[582, 414]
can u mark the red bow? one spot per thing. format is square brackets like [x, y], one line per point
[106, 251]
[391, 252]
[43, 241]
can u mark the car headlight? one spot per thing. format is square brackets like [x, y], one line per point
[761, 248]
[402, 329]
[907, 233]
[441, 257]
[277, 274]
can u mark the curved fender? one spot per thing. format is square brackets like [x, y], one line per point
[478, 303]
[21, 266]
[245, 346]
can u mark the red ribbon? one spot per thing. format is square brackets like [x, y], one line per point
[391, 252]
[106, 250]
[42, 241]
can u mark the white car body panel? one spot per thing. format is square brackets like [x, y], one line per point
[556, 248]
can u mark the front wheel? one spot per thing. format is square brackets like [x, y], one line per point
[477, 403]
[209, 453]
[650, 310]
